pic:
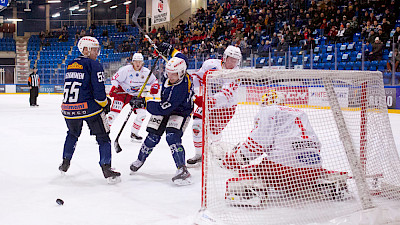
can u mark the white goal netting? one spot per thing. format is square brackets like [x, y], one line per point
[299, 147]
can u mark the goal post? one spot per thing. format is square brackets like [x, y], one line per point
[298, 147]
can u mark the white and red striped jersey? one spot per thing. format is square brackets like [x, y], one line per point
[225, 93]
[131, 80]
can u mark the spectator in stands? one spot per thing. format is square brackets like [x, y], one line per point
[371, 37]
[354, 24]
[366, 30]
[348, 33]
[377, 48]
[274, 40]
[383, 36]
[308, 45]
[105, 33]
[82, 33]
[396, 56]
[386, 26]
[282, 47]
[340, 35]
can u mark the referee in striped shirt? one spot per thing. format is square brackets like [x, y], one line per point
[33, 83]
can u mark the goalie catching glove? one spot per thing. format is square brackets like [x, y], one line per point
[138, 102]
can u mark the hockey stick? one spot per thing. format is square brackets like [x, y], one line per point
[117, 147]
[135, 16]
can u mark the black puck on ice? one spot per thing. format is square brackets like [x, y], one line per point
[60, 201]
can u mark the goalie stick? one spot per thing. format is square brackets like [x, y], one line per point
[117, 147]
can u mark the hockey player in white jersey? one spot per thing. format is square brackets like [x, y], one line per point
[282, 153]
[126, 84]
[224, 102]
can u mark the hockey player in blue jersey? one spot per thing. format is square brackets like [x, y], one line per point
[85, 100]
[171, 114]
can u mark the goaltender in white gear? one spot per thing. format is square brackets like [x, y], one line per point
[126, 84]
[224, 101]
[281, 152]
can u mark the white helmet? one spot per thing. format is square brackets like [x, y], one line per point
[137, 57]
[89, 43]
[176, 65]
[233, 52]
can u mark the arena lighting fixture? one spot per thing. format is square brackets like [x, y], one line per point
[113, 7]
[127, 2]
[107, 1]
[94, 5]
[89, 1]
[55, 15]
[54, 1]
[14, 20]
[72, 8]
[81, 10]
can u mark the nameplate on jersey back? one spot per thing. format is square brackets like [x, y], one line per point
[75, 65]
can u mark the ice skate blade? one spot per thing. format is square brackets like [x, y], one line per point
[113, 180]
[136, 140]
[184, 182]
[195, 165]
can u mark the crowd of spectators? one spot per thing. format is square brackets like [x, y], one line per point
[262, 27]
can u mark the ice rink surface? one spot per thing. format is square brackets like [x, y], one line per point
[31, 143]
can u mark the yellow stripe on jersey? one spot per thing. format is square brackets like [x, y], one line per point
[174, 52]
[83, 117]
[102, 103]
[189, 82]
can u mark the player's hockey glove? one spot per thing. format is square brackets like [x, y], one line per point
[138, 103]
[166, 49]
[113, 92]
[107, 108]
[154, 88]
[198, 101]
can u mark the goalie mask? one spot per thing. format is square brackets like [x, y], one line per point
[89, 43]
[234, 53]
[272, 97]
[176, 65]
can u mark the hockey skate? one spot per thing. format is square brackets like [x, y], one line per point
[111, 176]
[64, 165]
[136, 138]
[182, 177]
[135, 166]
[195, 160]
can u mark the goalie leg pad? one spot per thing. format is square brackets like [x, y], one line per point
[334, 186]
[245, 191]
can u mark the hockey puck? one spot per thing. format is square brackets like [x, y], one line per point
[60, 201]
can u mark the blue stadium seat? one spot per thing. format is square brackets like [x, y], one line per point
[341, 66]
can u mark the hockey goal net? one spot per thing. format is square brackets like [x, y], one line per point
[299, 147]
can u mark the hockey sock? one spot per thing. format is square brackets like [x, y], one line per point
[197, 136]
[141, 115]
[147, 147]
[104, 149]
[69, 146]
